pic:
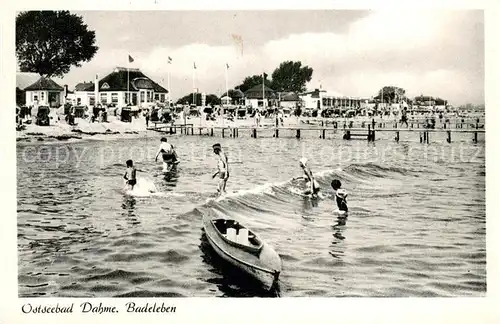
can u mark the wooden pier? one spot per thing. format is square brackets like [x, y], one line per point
[366, 132]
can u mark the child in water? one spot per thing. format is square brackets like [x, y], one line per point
[130, 175]
[340, 195]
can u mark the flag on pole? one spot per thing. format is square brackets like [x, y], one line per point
[130, 59]
[227, 66]
[194, 65]
[169, 60]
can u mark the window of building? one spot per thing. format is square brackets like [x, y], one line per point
[104, 98]
[91, 100]
[78, 101]
[114, 97]
[35, 97]
[162, 97]
[148, 96]
[42, 95]
[142, 96]
[157, 96]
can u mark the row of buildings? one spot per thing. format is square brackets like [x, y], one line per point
[119, 88]
[124, 87]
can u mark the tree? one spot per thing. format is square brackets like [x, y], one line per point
[254, 80]
[210, 99]
[291, 76]
[390, 94]
[50, 42]
[232, 93]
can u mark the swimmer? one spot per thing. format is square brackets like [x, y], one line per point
[130, 175]
[168, 153]
[340, 195]
[311, 182]
[223, 169]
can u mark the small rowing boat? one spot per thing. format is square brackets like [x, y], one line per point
[243, 249]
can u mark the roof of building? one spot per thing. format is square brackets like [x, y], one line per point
[314, 93]
[85, 86]
[256, 92]
[117, 81]
[44, 83]
[25, 79]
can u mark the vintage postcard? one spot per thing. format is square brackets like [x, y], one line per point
[161, 153]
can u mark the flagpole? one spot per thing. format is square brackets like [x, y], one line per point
[128, 83]
[227, 96]
[227, 91]
[263, 93]
[194, 69]
[168, 85]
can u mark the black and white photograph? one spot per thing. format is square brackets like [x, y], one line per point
[248, 153]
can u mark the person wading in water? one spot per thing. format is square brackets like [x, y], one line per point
[222, 169]
[168, 154]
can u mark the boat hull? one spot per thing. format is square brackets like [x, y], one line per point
[265, 267]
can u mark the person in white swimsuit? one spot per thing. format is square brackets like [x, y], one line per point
[222, 169]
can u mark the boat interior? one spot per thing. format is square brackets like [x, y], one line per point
[241, 235]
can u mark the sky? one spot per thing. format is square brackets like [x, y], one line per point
[425, 51]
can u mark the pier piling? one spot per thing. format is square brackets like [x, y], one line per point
[298, 134]
[449, 137]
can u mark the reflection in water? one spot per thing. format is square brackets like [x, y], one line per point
[231, 281]
[129, 207]
[337, 246]
[309, 203]
[171, 178]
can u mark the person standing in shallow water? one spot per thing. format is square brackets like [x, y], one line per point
[130, 175]
[222, 169]
[168, 154]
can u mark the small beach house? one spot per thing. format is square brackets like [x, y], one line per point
[257, 97]
[233, 96]
[41, 92]
[120, 88]
[289, 100]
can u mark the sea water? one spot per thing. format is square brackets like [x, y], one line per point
[416, 223]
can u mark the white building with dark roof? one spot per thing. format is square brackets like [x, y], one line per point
[120, 88]
[44, 92]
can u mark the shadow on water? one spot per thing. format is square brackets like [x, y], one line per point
[231, 281]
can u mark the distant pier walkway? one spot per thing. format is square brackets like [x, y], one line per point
[364, 130]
